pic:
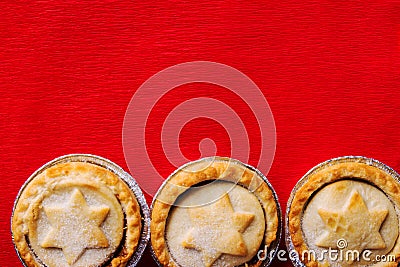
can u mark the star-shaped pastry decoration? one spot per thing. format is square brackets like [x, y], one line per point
[217, 229]
[75, 226]
[355, 224]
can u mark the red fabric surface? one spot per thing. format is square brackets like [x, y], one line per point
[329, 71]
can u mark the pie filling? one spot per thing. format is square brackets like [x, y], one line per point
[350, 215]
[217, 224]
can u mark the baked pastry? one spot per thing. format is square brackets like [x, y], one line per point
[214, 212]
[349, 206]
[74, 212]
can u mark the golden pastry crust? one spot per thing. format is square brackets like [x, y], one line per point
[84, 175]
[221, 170]
[329, 174]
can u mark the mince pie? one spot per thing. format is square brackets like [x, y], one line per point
[76, 213]
[345, 212]
[214, 212]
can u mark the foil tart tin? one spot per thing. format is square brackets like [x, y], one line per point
[274, 247]
[293, 255]
[111, 166]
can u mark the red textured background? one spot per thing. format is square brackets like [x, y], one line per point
[330, 72]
